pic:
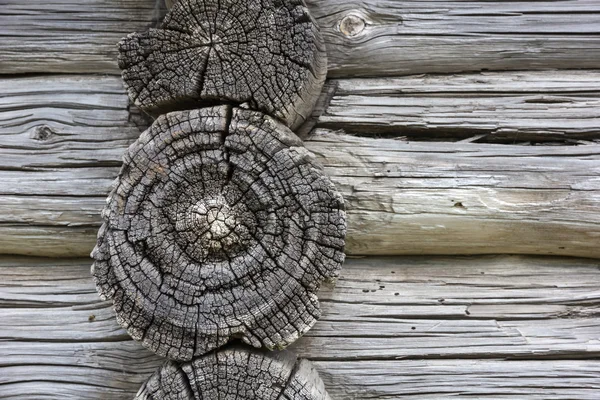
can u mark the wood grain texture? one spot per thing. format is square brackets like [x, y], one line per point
[65, 36]
[397, 38]
[493, 326]
[62, 139]
[413, 37]
[464, 198]
[487, 107]
[68, 134]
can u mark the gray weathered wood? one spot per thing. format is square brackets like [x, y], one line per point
[464, 198]
[434, 327]
[492, 107]
[387, 38]
[62, 140]
[87, 120]
[267, 54]
[61, 36]
[236, 373]
[414, 37]
[219, 225]
[463, 307]
[391, 327]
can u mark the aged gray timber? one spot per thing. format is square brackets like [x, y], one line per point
[390, 37]
[268, 54]
[219, 225]
[62, 140]
[362, 38]
[65, 36]
[236, 373]
[494, 326]
[464, 198]
[492, 107]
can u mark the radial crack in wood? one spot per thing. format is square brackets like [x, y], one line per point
[236, 373]
[220, 225]
[266, 53]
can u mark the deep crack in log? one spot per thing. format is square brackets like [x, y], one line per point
[265, 53]
[220, 226]
[236, 373]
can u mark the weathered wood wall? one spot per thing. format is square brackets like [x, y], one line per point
[422, 327]
[451, 127]
[63, 138]
[398, 38]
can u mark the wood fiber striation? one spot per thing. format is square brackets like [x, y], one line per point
[236, 373]
[220, 226]
[267, 53]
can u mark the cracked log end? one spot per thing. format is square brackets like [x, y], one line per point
[266, 53]
[220, 226]
[236, 373]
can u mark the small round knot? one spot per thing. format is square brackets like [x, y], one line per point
[41, 133]
[352, 25]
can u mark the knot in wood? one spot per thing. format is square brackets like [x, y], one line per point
[41, 133]
[236, 373]
[268, 54]
[352, 25]
[220, 225]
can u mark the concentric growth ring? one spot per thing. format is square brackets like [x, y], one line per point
[266, 53]
[220, 226]
[236, 373]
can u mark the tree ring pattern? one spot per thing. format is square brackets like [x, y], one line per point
[236, 373]
[268, 54]
[220, 226]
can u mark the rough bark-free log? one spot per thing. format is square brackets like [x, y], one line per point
[503, 107]
[267, 53]
[220, 225]
[464, 198]
[531, 331]
[399, 37]
[530, 199]
[447, 36]
[236, 373]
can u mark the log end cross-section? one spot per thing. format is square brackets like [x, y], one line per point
[236, 373]
[268, 54]
[220, 226]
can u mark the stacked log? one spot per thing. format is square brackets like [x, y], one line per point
[220, 226]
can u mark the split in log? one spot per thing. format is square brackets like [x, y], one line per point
[267, 53]
[236, 373]
[510, 108]
[220, 226]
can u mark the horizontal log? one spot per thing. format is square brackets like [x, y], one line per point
[64, 36]
[372, 38]
[492, 107]
[376, 38]
[346, 380]
[391, 327]
[62, 139]
[451, 379]
[464, 198]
